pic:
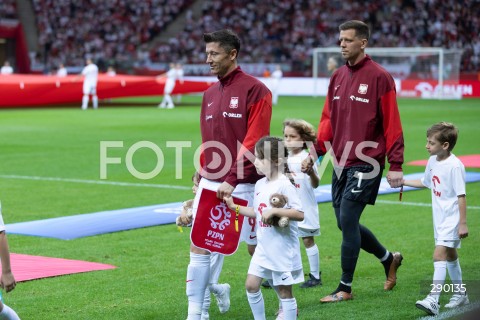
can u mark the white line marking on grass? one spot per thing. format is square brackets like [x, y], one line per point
[418, 204]
[453, 312]
[113, 183]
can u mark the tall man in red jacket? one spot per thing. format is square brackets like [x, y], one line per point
[361, 124]
[236, 113]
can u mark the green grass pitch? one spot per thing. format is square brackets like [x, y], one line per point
[42, 148]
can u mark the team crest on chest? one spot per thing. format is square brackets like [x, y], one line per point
[234, 102]
[362, 89]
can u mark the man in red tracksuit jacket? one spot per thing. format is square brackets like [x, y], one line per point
[361, 125]
[236, 113]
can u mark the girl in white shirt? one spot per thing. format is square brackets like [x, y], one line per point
[277, 255]
[298, 135]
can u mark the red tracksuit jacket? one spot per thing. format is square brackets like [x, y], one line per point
[236, 113]
[361, 106]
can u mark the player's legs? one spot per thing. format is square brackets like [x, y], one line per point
[460, 296]
[348, 217]
[255, 297]
[85, 102]
[216, 263]
[198, 275]
[87, 88]
[288, 302]
[167, 98]
[275, 97]
[198, 271]
[314, 262]
[168, 101]
[94, 97]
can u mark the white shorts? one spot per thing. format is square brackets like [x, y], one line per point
[243, 191]
[279, 278]
[449, 243]
[302, 233]
[89, 89]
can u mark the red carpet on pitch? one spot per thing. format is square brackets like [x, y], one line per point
[26, 267]
[469, 161]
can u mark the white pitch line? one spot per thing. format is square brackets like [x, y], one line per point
[113, 183]
[453, 312]
[418, 204]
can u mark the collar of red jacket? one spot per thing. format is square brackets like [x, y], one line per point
[225, 81]
[360, 64]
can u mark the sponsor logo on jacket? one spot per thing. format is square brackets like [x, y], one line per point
[231, 115]
[353, 98]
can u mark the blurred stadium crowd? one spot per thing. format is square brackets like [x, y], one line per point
[123, 32]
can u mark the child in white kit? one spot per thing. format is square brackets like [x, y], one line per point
[298, 135]
[445, 176]
[277, 255]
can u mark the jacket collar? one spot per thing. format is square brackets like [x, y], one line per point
[360, 64]
[226, 80]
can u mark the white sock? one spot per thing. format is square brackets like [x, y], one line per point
[206, 301]
[8, 313]
[216, 264]
[95, 102]
[455, 271]
[314, 260]
[169, 100]
[85, 102]
[289, 307]
[198, 275]
[439, 275]
[255, 300]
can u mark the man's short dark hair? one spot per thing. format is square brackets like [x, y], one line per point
[362, 31]
[226, 38]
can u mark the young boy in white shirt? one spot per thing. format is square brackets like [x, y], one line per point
[445, 176]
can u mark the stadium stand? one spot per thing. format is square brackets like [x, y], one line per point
[289, 29]
[8, 9]
[110, 32]
[123, 32]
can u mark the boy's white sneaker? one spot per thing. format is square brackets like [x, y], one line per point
[429, 305]
[457, 300]
[205, 315]
[223, 299]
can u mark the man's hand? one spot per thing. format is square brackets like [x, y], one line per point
[395, 179]
[225, 190]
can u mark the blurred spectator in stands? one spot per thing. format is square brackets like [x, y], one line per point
[62, 71]
[111, 71]
[6, 69]
[8, 9]
[288, 30]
